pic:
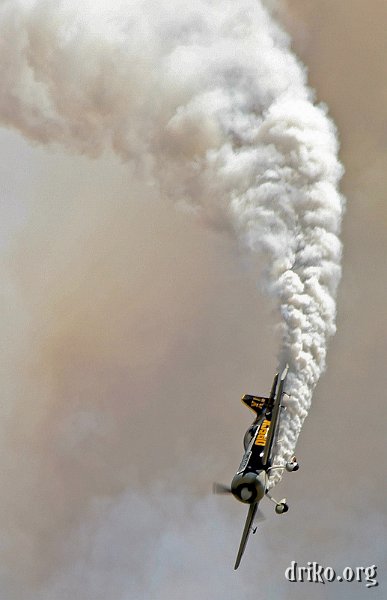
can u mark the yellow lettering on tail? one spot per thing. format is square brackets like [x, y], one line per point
[259, 404]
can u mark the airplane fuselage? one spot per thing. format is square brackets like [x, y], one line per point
[250, 483]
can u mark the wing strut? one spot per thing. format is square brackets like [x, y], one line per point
[246, 532]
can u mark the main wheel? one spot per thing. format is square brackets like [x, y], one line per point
[282, 507]
[292, 466]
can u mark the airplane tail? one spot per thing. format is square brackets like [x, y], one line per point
[255, 403]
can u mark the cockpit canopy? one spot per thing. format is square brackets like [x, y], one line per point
[249, 435]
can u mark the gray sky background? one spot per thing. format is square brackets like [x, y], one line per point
[130, 333]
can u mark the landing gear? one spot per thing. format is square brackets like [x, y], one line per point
[280, 506]
[292, 465]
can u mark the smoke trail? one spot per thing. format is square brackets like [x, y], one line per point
[293, 214]
[211, 104]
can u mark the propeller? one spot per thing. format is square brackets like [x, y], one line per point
[220, 488]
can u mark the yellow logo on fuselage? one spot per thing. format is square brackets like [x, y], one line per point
[262, 433]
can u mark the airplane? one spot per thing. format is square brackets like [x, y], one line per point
[250, 483]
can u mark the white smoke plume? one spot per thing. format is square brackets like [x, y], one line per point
[209, 102]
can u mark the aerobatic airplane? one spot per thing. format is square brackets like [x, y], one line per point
[250, 483]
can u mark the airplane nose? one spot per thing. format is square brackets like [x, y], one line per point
[248, 487]
[245, 494]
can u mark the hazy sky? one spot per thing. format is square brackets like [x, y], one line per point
[130, 331]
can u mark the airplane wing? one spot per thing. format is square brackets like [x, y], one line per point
[275, 415]
[246, 532]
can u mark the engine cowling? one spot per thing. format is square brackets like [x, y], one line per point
[248, 487]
